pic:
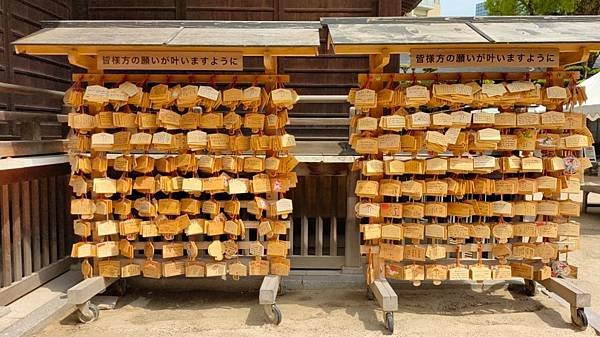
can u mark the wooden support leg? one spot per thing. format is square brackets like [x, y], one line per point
[88, 288]
[577, 298]
[268, 289]
[584, 205]
[268, 296]
[387, 299]
[384, 294]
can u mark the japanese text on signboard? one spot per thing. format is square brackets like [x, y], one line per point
[171, 60]
[437, 58]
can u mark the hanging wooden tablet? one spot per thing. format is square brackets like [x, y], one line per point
[280, 266]
[414, 273]
[522, 270]
[502, 272]
[436, 272]
[391, 251]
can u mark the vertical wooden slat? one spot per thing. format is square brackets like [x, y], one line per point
[26, 218]
[44, 222]
[17, 263]
[333, 236]
[70, 236]
[290, 235]
[7, 51]
[180, 9]
[247, 239]
[52, 218]
[304, 238]
[35, 224]
[351, 232]
[319, 237]
[61, 216]
[6, 253]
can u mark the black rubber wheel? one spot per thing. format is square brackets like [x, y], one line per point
[530, 288]
[388, 321]
[579, 318]
[95, 313]
[276, 314]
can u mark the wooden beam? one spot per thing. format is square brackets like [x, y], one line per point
[471, 76]
[320, 122]
[568, 291]
[270, 63]
[378, 61]
[86, 62]
[93, 50]
[179, 78]
[88, 288]
[33, 172]
[15, 148]
[25, 116]
[317, 262]
[570, 58]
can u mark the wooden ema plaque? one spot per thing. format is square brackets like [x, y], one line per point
[522, 270]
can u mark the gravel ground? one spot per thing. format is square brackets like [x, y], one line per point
[345, 312]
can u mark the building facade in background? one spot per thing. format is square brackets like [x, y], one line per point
[480, 9]
[426, 8]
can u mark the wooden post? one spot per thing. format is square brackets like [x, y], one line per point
[376, 64]
[6, 253]
[52, 219]
[35, 224]
[45, 235]
[17, 261]
[352, 234]
[26, 219]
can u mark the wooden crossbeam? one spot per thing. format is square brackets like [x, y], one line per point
[180, 78]
[471, 76]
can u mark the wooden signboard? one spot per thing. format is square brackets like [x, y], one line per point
[455, 58]
[167, 60]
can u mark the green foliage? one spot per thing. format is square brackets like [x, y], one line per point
[550, 7]
[532, 7]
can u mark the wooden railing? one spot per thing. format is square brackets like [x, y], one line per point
[27, 133]
[35, 227]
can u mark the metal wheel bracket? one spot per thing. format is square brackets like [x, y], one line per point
[87, 312]
[388, 321]
[273, 313]
[579, 317]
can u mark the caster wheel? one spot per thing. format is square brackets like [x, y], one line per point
[579, 318]
[273, 313]
[370, 295]
[93, 315]
[389, 322]
[530, 288]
